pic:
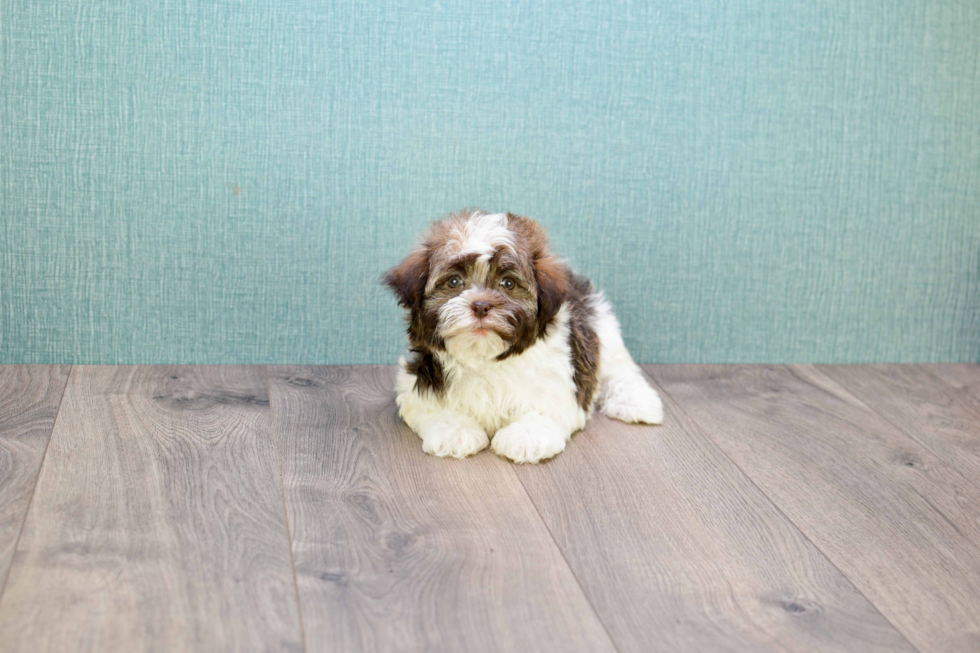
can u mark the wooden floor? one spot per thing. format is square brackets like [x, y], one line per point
[228, 508]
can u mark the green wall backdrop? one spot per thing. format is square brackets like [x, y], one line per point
[750, 180]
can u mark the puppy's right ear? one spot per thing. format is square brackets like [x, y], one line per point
[407, 279]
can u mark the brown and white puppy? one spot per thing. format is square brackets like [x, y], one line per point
[508, 346]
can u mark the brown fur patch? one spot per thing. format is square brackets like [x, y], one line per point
[552, 280]
[428, 372]
[408, 280]
[550, 275]
[584, 342]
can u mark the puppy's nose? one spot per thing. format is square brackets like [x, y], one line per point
[481, 308]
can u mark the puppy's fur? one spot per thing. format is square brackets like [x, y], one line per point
[508, 347]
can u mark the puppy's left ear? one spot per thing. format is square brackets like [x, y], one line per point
[407, 279]
[553, 281]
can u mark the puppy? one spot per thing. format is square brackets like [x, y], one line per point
[508, 347]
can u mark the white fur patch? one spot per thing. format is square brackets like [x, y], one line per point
[452, 435]
[624, 392]
[485, 233]
[531, 439]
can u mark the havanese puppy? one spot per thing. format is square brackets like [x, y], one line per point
[508, 347]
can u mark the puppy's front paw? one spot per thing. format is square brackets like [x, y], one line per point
[634, 401]
[530, 439]
[453, 437]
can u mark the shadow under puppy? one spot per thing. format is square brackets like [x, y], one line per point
[507, 343]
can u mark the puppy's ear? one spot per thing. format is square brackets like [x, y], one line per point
[407, 279]
[552, 277]
[553, 281]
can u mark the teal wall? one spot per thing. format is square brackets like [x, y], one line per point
[750, 180]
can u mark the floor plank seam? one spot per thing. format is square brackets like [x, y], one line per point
[285, 510]
[565, 560]
[776, 506]
[970, 408]
[40, 469]
[897, 427]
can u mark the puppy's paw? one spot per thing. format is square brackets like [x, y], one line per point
[530, 439]
[453, 436]
[634, 401]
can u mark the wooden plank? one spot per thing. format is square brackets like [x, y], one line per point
[923, 406]
[963, 377]
[678, 551]
[29, 399]
[898, 521]
[397, 550]
[157, 522]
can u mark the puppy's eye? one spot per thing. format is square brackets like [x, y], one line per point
[508, 284]
[454, 281]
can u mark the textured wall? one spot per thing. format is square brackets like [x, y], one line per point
[750, 180]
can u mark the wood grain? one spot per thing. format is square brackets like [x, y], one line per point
[896, 519]
[922, 405]
[678, 551]
[157, 523]
[963, 377]
[397, 550]
[29, 399]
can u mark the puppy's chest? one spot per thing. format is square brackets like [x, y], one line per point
[489, 387]
[498, 394]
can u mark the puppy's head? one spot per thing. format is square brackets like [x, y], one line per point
[480, 286]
